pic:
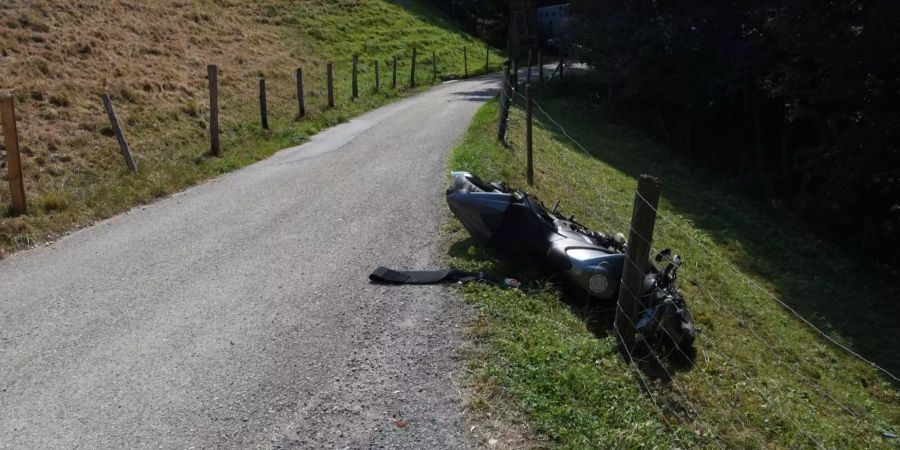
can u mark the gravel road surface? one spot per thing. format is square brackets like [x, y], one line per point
[238, 314]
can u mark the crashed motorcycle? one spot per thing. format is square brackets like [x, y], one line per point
[589, 263]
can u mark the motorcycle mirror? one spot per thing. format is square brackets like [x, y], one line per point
[663, 255]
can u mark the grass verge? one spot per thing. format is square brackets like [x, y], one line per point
[761, 379]
[57, 57]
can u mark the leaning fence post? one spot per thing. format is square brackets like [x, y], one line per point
[530, 63]
[263, 111]
[377, 79]
[412, 70]
[301, 102]
[13, 159]
[505, 94]
[487, 59]
[529, 172]
[433, 66]
[329, 68]
[643, 218]
[394, 75]
[466, 62]
[353, 77]
[213, 76]
[114, 123]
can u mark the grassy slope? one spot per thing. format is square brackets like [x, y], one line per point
[58, 57]
[761, 379]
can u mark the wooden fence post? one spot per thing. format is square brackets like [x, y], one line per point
[114, 123]
[412, 70]
[466, 62]
[394, 75]
[301, 102]
[530, 63]
[487, 59]
[541, 67]
[643, 219]
[377, 78]
[561, 65]
[13, 159]
[515, 74]
[433, 66]
[353, 77]
[505, 94]
[263, 111]
[529, 172]
[329, 68]
[212, 73]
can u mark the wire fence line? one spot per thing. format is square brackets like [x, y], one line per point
[659, 359]
[668, 220]
[633, 359]
[728, 264]
[585, 207]
[604, 188]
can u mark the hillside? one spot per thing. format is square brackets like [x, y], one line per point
[58, 57]
[759, 377]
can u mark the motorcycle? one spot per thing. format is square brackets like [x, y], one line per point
[589, 263]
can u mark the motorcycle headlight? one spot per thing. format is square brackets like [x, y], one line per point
[598, 283]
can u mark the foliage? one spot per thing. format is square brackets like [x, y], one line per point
[796, 96]
[484, 18]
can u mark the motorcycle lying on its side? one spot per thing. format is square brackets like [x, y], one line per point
[589, 263]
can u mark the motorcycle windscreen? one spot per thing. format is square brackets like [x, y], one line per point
[481, 213]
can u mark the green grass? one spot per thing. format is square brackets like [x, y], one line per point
[171, 147]
[761, 378]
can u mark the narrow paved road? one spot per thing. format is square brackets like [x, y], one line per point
[238, 314]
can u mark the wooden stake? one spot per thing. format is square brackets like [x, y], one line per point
[529, 172]
[541, 67]
[515, 74]
[330, 75]
[643, 219]
[301, 102]
[212, 73]
[466, 62]
[114, 123]
[377, 79]
[530, 63]
[355, 85]
[561, 65]
[263, 111]
[13, 159]
[433, 66]
[394, 75]
[487, 59]
[412, 70]
[505, 98]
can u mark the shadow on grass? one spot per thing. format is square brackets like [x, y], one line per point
[657, 362]
[832, 285]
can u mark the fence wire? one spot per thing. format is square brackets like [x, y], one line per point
[610, 196]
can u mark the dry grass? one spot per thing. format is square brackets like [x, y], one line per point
[58, 56]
